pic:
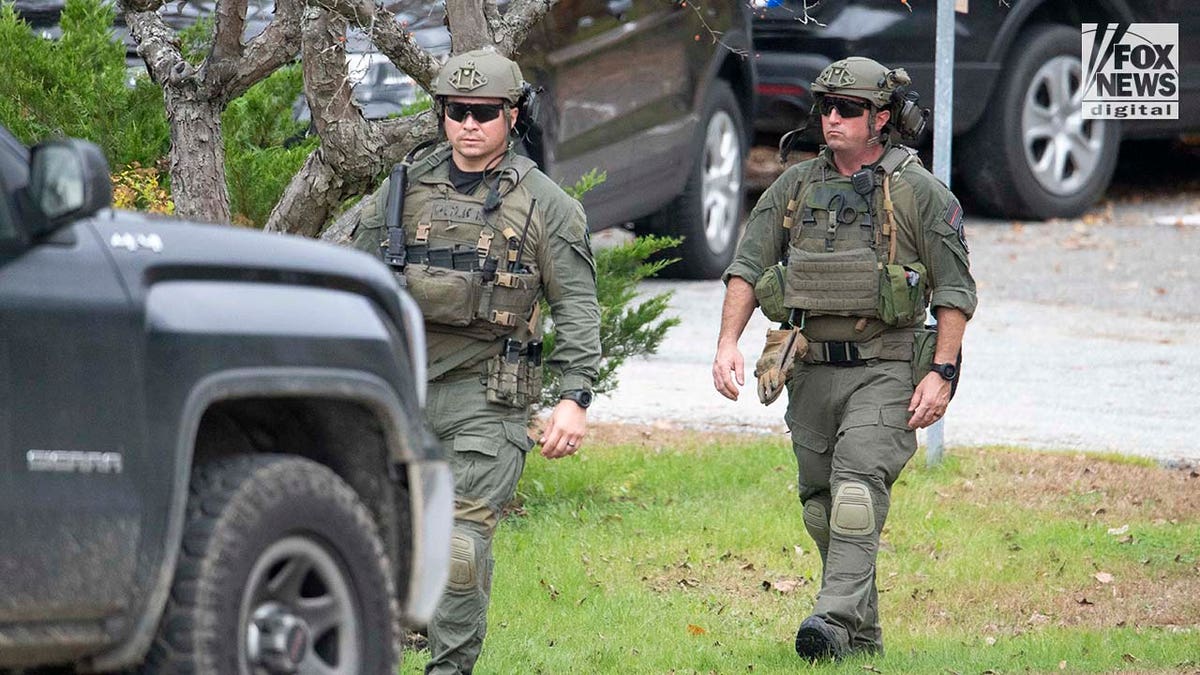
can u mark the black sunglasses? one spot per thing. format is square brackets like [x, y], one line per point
[480, 112]
[846, 107]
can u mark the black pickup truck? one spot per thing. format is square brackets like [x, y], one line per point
[212, 453]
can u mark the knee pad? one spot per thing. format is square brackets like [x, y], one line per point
[462, 563]
[853, 512]
[816, 521]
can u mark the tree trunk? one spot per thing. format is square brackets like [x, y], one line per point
[197, 156]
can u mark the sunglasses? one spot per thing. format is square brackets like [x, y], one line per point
[846, 107]
[480, 112]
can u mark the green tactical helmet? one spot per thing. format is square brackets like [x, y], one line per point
[481, 73]
[861, 78]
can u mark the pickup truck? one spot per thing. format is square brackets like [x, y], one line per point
[213, 457]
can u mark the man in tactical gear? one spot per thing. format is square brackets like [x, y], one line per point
[479, 234]
[850, 248]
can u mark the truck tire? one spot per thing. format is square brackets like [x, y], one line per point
[281, 570]
[708, 214]
[1032, 155]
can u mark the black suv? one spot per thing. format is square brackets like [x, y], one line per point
[213, 457]
[1022, 148]
[657, 93]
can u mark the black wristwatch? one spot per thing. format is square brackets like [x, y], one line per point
[583, 397]
[948, 371]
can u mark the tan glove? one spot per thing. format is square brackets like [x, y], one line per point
[775, 365]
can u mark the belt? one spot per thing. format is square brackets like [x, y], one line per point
[836, 353]
[894, 345]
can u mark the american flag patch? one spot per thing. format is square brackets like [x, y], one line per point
[954, 218]
[954, 215]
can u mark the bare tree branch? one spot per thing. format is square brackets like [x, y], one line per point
[388, 35]
[406, 132]
[141, 5]
[229, 23]
[518, 20]
[158, 46]
[326, 77]
[400, 136]
[268, 51]
[491, 13]
[469, 28]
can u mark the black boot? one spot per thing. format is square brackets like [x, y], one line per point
[818, 641]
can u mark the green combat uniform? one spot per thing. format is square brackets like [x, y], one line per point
[848, 396]
[477, 265]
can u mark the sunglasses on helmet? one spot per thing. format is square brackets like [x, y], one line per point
[480, 112]
[846, 107]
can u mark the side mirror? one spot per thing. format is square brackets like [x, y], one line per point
[68, 179]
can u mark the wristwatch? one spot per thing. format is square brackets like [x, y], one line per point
[948, 371]
[583, 397]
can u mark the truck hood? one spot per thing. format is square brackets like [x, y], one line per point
[146, 250]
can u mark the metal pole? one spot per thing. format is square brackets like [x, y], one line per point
[943, 106]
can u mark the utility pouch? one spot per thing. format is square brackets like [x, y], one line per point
[529, 382]
[845, 283]
[924, 345]
[508, 381]
[901, 293]
[447, 297]
[769, 293]
[513, 296]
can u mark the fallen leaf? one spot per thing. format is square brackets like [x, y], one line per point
[1129, 658]
[1118, 531]
[1062, 665]
[695, 630]
[1103, 577]
[786, 585]
[749, 567]
[870, 668]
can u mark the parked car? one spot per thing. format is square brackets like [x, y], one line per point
[213, 456]
[656, 93]
[1021, 147]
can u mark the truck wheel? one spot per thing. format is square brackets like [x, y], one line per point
[709, 212]
[1032, 155]
[280, 571]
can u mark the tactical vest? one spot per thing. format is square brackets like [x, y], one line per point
[472, 269]
[841, 249]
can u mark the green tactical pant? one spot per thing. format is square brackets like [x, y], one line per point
[486, 444]
[850, 434]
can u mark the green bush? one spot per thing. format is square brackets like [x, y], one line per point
[77, 86]
[264, 146]
[627, 328]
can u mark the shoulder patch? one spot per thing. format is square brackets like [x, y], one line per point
[954, 218]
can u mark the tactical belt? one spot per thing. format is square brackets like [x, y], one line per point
[893, 345]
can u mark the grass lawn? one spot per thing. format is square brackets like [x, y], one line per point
[667, 551]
